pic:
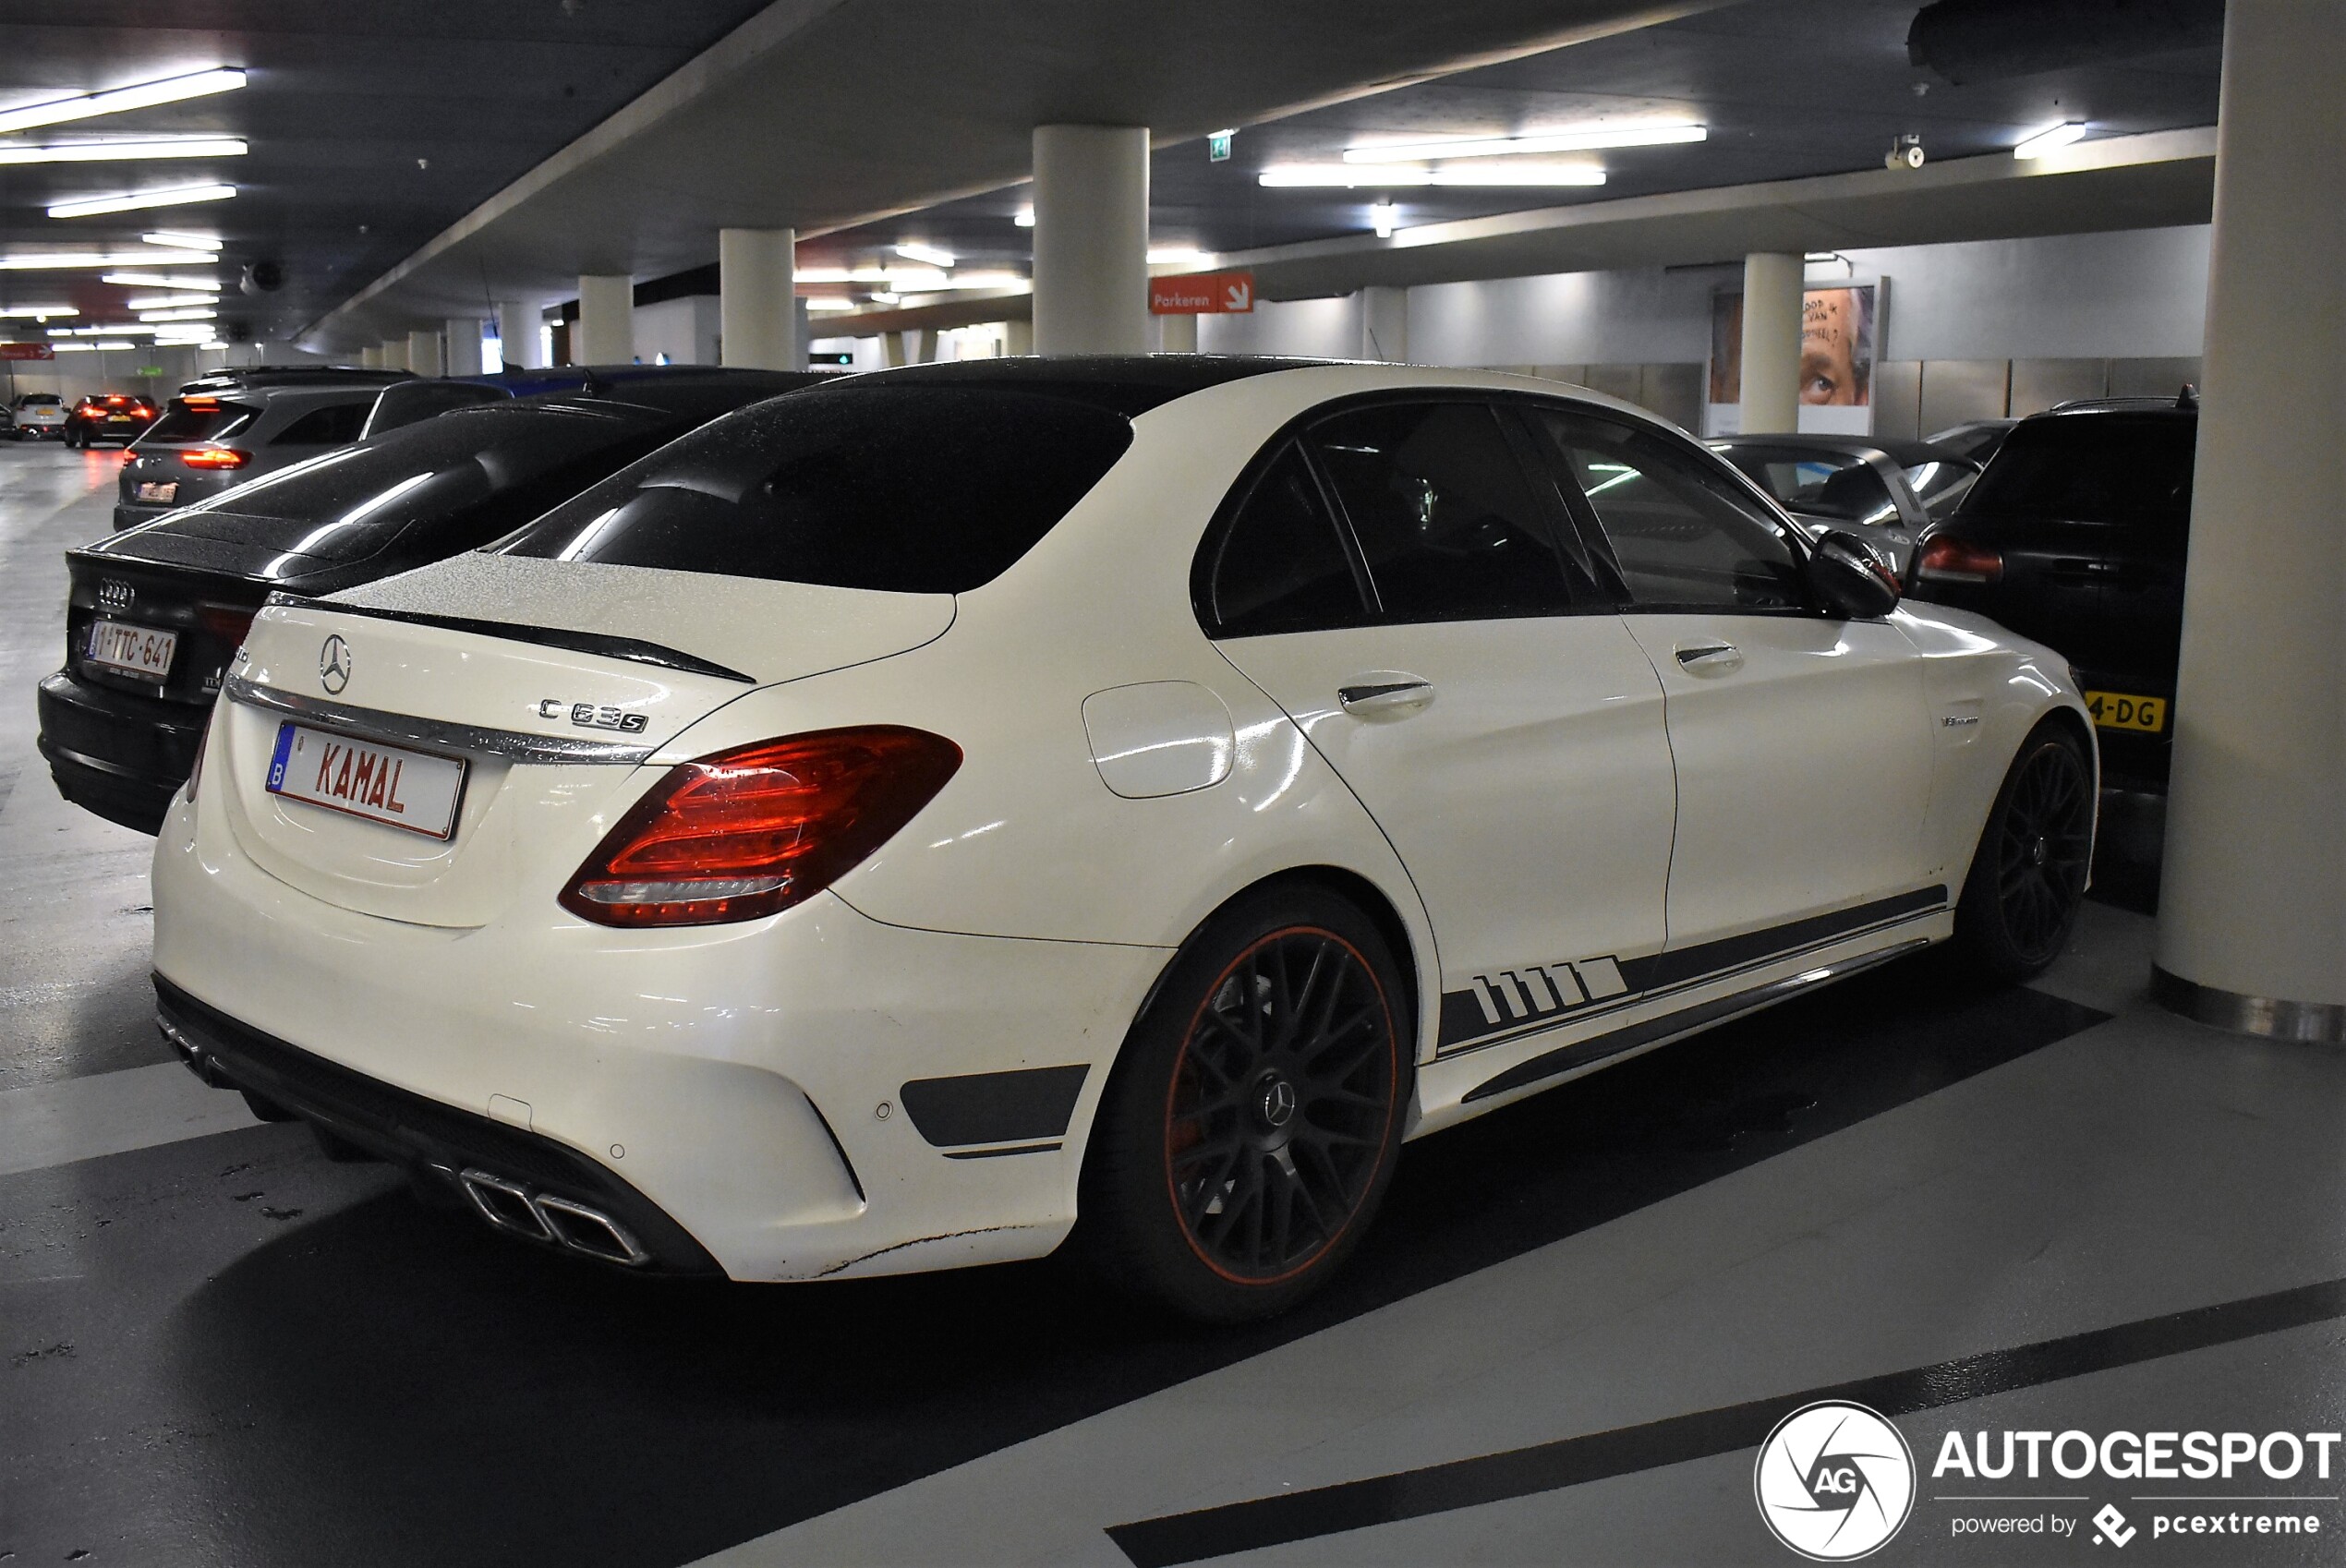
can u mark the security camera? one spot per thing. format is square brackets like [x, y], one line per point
[1905, 153]
[262, 277]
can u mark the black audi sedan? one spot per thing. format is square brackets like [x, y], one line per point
[155, 612]
[2076, 535]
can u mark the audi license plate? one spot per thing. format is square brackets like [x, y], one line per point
[143, 651]
[2117, 710]
[413, 790]
[159, 489]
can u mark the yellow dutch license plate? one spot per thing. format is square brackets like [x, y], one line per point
[2118, 710]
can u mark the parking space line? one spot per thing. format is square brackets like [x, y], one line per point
[110, 1113]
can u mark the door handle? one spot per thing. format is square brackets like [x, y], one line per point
[1710, 659]
[1388, 697]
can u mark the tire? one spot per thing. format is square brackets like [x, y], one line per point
[2027, 878]
[1242, 1146]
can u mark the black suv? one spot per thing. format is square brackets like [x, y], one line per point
[155, 613]
[2076, 535]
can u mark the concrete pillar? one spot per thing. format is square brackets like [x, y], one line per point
[1771, 291]
[1384, 324]
[758, 299]
[1091, 239]
[519, 324]
[394, 353]
[463, 353]
[371, 358]
[892, 348]
[423, 352]
[2251, 905]
[1018, 337]
[605, 334]
[1176, 334]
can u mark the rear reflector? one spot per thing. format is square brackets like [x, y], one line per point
[215, 457]
[752, 831]
[1952, 561]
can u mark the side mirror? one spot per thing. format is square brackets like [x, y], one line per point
[1852, 580]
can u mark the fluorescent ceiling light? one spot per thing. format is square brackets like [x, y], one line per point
[132, 201]
[163, 279]
[2050, 138]
[203, 315]
[60, 260]
[1178, 255]
[183, 242]
[927, 253]
[167, 301]
[1383, 215]
[1023, 217]
[35, 312]
[818, 303]
[86, 347]
[1352, 177]
[98, 331]
[120, 149]
[140, 95]
[1578, 139]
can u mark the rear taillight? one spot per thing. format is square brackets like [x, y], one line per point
[215, 457]
[229, 622]
[1952, 560]
[752, 831]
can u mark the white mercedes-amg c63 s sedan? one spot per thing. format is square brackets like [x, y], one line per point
[913, 820]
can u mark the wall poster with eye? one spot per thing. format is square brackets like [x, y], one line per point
[1840, 330]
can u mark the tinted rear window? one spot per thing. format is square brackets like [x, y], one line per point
[336, 426]
[2093, 469]
[37, 400]
[352, 502]
[903, 489]
[205, 421]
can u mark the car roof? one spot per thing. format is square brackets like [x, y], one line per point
[1905, 453]
[2185, 405]
[1126, 384]
[293, 375]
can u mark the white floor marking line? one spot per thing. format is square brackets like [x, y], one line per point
[111, 1113]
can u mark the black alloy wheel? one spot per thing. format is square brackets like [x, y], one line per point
[2028, 876]
[1254, 1122]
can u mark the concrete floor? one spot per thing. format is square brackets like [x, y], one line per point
[2047, 1209]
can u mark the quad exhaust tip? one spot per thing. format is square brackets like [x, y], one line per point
[541, 1216]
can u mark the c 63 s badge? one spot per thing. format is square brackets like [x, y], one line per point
[589, 716]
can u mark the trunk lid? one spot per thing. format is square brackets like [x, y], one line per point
[555, 684]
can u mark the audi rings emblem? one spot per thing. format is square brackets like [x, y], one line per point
[333, 665]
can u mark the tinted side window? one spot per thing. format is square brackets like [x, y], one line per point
[337, 426]
[1444, 513]
[2094, 469]
[1280, 566]
[1681, 535]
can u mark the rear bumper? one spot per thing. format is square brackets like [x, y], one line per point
[116, 753]
[436, 1140]
[127, 513]
[772, 1087]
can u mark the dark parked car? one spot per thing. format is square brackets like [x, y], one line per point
[1975, 438]
[108, 416]
[2076, 535]
[207, 441]
[1885, 491]
[155, 614]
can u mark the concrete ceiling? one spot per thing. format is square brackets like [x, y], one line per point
[821, 113]
[371, 127]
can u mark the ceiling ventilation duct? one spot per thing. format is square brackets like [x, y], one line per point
[1967, 40]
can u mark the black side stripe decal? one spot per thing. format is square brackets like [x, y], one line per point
[1525, 1000]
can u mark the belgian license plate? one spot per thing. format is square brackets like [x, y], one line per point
[159, 489]
[143, 651]
[2117, 710]
[413, 790]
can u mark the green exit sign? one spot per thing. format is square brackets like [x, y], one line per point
[151, 370]
[1218, 146]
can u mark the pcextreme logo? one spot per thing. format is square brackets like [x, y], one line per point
[1834, 1482]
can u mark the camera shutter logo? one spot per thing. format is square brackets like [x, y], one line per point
[1834, 1482]
[333, 665]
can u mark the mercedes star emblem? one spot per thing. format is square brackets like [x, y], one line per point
[333, 665]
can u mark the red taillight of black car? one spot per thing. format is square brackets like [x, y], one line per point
[1952, 560]
[749, 832]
